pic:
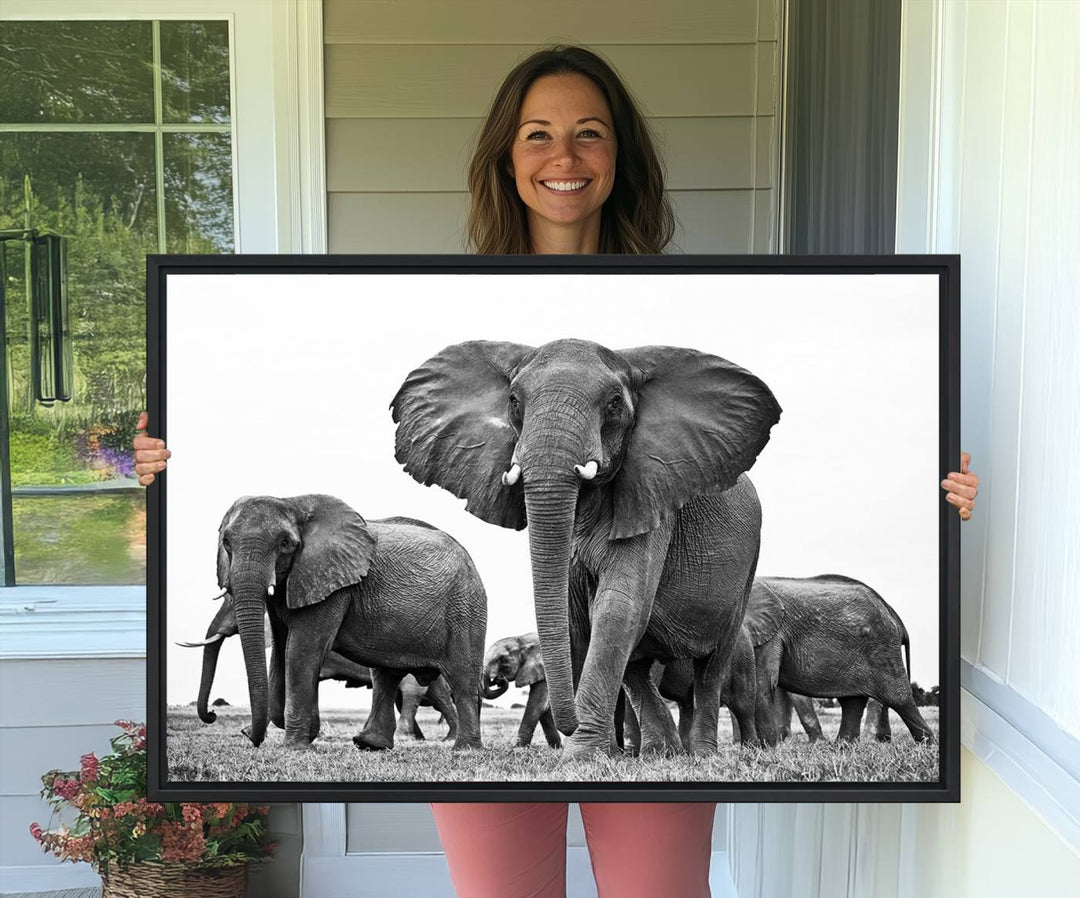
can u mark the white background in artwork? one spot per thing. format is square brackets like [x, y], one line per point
[279, 385]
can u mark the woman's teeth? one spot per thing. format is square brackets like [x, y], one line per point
[564, 186]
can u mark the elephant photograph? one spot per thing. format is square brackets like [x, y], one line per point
[533, 526]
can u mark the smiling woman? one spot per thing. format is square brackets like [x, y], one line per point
[565, 164]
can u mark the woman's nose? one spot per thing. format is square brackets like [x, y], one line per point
[564, 150]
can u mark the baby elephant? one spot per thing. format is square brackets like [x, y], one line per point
[518, 658]
[830, 636]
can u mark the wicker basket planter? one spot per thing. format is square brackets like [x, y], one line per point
[174, 881]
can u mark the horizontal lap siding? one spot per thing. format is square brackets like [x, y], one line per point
[407, 85]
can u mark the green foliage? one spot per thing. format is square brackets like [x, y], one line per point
[117, 825]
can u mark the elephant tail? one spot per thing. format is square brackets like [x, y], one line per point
[905, 640]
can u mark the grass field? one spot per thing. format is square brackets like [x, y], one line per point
[220, 753]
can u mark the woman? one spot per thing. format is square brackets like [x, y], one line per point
[565, 164]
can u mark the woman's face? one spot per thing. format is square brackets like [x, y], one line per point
[563, 154]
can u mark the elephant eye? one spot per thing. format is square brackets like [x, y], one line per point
[614, 407]
[225, 542]
[515, 408]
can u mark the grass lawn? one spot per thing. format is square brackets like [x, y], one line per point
[218, 752]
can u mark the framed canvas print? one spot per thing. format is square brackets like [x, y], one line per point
[554, 528]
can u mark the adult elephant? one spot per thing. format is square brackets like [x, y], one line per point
[675, 682]
[395, 595]
[411, 694]
[831, 636]
[518, 658]
[643, 530]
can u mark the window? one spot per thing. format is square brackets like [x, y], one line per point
[116, 135]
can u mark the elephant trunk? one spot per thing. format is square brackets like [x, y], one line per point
[494, 687]
[249, 590]
[550, 505]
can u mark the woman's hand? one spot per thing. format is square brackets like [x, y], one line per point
[150, 453]
[961, 487]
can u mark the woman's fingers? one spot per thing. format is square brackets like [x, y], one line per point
[960, 501]
[967, 490]
[150, 452]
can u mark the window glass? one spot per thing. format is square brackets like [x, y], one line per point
[56, 72]
[117, 186]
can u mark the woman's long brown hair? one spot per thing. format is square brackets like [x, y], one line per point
[636, 218]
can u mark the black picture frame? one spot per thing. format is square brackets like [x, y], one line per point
[946, 268]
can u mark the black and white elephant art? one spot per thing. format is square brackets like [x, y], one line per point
[395, 595]
[803, 706]
[675, 682]
[411, 695]
[628, 467]
[831, 636]
[518, 659]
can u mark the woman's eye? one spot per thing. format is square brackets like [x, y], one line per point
[536, 135]
[589, 132]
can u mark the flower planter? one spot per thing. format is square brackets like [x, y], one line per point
[163, 880]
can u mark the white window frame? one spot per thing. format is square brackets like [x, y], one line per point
[279, 197]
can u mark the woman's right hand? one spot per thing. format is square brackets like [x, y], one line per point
[150, 453]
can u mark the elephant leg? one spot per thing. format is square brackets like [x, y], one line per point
[465, 689]
[551, 732]
[302, 668]
[909, 713]
[743, 707]
[658, 732]
[534, 707]
[631, 729]
[709, 676]
[686, 722]
[784, 707]
[852, 707]
[276, 698]
[443, 702]
[409, 698]
[804, 707]
[378, 731]
[768, 670]
[880, 715]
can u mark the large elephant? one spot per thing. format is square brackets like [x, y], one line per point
[411, 694]
[675, 682]
[518, 658]
[395, 595]
[831, 636]
[643, 530]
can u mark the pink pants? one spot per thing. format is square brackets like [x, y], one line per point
[519, 850]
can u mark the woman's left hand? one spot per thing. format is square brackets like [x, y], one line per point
[962, 487]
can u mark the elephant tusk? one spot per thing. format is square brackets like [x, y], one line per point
[588, 472]
[511, 476]
[270, 589]
[210, 640]
[220, 595]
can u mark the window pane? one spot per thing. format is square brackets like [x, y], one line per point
[76, 72]
[81, 540]
[198, 193]
[195, 71]
[98, 191]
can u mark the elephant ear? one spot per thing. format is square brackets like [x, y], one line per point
[336, 550]
[453, 428]
[700, 422]
[764, 613]
[532, 668]
[222, 555]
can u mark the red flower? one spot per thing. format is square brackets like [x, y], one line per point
[89, 768]
[66, 789]
[192, 813]
[36, 831]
